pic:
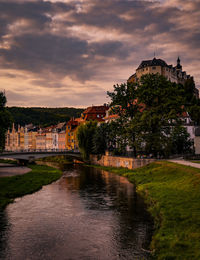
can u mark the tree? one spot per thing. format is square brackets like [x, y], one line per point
[163, 106]
[124, 104]
[192, 103]
[100, 139]
[85, 135]
[181, 143]
[5, 120]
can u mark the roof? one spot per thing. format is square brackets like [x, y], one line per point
[154, 62]
[96, 109]
[72, 121]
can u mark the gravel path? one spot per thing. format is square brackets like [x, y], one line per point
[7, 170]
[196, 165]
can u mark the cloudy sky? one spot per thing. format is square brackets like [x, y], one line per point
[58, 53]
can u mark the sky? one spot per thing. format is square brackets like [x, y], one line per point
[69, 53]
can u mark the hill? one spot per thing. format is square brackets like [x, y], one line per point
[41, 116]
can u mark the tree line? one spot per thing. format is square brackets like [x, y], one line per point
[41, 116]
[150, 121]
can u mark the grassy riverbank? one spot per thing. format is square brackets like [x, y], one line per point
[60, 159]
[8, 161]
[172, 193]
[19, 185]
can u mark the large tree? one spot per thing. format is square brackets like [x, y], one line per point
[192, 102]
[124, 103]
[162, 108]
[148, 109]
[5, 120]
[85, 135]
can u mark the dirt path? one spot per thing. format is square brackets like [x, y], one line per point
[187, 163]
[7, 170]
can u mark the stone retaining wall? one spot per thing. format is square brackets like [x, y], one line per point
[115, 161]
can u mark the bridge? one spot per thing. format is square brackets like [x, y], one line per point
[23, 157]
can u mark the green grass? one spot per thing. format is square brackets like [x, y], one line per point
[194, 161]
[8, 161]
[61, 159]
[172, 193]
[19, 185]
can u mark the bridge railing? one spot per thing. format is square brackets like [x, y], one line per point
[39, 151]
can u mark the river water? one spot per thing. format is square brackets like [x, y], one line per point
[88, 214]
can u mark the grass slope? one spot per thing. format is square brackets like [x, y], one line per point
[172, 193]
[17, 186]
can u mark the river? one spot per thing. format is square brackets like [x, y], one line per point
[88, 214]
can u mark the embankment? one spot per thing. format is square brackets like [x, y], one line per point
[116, 161]
[19, 185]
[172, 193]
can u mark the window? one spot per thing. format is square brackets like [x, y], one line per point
[146, 68]
[153, 68]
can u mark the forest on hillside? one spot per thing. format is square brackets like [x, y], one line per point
[40, 116]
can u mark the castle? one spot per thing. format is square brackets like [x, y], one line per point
[174, 74]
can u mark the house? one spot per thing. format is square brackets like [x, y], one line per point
[71, 131]
[95, 113]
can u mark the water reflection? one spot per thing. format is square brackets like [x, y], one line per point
[87, 214]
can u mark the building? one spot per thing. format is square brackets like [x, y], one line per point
[95, 113]
[62, 140]
[40, 140]
[24, 138]
[111, 115]
[197, 141]
[174, 74]
[71, 131]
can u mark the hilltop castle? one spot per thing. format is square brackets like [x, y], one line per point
[174, 74]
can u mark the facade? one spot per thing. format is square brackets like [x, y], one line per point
[71, 131]
[62, 140]
[29, 138]
[40, 140]
[197, 140]
[24, 138]
[174, 74]
[54, 140]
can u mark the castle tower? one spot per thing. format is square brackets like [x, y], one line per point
[178, 66]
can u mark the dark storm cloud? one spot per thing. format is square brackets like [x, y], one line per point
[38, 13]
[127, 16]
[94, 40]
[62, 55]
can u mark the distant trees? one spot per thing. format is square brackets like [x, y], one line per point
[5, 120]
[42, 116]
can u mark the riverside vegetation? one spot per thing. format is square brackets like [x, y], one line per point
[20, 185]
[172, 193]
